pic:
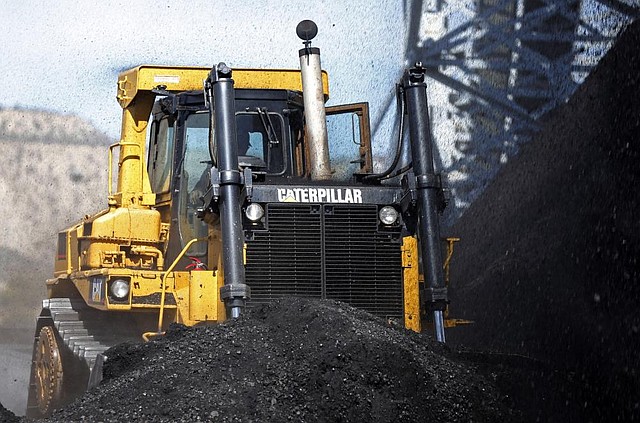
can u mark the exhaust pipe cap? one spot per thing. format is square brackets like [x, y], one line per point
[307, 30]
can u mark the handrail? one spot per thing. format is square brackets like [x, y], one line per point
[110, 171]
[147, 335]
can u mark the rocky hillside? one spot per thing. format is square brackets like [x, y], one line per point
[54, 171]
[30, 126]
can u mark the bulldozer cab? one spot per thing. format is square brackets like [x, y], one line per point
[181, 153]
[270, 141]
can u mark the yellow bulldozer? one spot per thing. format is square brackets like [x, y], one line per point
[225, 197]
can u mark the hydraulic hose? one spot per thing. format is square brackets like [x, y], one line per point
[399, 172]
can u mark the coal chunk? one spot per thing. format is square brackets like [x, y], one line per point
[7, 416]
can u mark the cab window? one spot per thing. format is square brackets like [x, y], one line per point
[161, 155]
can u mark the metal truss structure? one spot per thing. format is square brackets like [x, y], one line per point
[503, 64]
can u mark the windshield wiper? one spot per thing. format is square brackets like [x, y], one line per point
[268, 126]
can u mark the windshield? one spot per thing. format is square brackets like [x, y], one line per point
[260, 136]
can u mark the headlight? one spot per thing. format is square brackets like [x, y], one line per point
[254, 212]
[388, 215]
[119, 289]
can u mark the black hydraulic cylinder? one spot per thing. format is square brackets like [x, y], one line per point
[235, 291]
[428, 194]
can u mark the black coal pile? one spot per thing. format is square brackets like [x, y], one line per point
[549, 263]
[294, 360]
[6, 416]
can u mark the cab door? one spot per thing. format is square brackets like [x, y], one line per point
[349, 139]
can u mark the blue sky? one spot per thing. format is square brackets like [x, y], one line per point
[65, 55]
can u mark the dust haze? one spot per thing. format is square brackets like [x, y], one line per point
[54, 170]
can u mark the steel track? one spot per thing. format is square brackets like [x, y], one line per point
[79, 328]
[83, 334]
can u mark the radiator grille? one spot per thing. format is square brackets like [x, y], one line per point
[327, 251]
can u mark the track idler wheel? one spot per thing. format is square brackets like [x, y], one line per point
[48, 372]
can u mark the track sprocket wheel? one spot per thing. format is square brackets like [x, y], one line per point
[48, 371]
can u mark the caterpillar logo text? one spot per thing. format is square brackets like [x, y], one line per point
[319, 195]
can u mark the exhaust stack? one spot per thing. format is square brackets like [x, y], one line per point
[314, 112]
